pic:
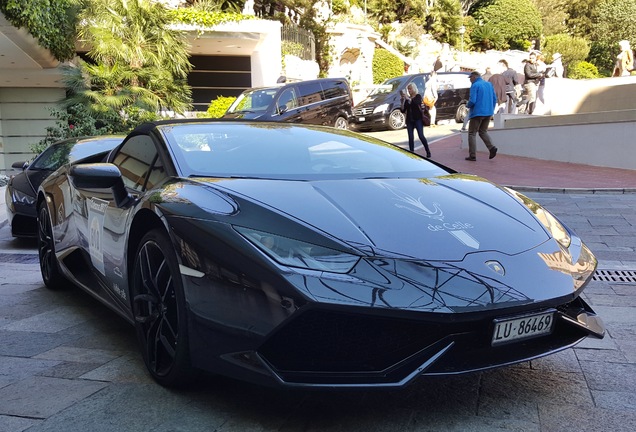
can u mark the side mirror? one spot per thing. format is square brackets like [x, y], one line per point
[282, 109]
[101, 176]
[20, 165]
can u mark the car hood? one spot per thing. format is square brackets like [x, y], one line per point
[28, 181]
[443, 218]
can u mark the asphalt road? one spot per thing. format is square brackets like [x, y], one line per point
[68, 364]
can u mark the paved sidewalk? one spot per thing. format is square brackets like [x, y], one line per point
[3, 208]
[531, 174]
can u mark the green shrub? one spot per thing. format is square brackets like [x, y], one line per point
[219, 106]
[75, 121]
[574, 49]
[386, 65]
[582, 70]
[291, 48]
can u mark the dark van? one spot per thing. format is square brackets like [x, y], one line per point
[381, 109]
[326, 101]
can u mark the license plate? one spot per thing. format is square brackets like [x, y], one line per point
[361, 119]
[525, 327]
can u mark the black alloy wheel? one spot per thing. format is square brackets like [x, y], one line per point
[51, 275]
[159, 311]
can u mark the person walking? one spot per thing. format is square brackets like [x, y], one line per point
[511, 82]
[412, 108]
[624, 61]
[482, 104]
[438, 65]
[541, 68]
[431, 96]
[500, 84]
[532, 79]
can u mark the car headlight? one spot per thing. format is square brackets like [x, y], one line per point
[296, 253]
[551, 223]
[380, 108]
[21, 197]
[555, 227]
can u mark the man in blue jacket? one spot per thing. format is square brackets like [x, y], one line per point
[482, 105]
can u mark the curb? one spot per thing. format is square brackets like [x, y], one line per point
[595, 191]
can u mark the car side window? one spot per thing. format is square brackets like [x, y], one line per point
[287, 100]
[135, 159]
[334, 89]
[309, 93]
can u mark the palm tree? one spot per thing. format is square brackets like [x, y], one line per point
[138, 65]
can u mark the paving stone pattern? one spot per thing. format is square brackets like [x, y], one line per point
[69, 364]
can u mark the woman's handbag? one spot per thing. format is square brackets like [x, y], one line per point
[426, 115]
[429, 102]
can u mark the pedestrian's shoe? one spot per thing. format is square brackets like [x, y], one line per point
[493, 152]
[471, 158]
[428, 155]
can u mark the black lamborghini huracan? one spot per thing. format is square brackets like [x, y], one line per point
[309, 256]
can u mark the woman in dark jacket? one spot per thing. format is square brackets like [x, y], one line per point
[412, 108]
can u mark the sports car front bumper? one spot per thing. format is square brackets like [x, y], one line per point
[337, 349]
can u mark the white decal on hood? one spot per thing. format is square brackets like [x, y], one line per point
[456, 229]
[414, 204]
[466, 238]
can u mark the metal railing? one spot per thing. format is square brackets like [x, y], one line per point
[299, 42]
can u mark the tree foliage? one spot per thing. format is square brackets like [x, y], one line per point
[579, 21]
[51, 22]
[444, 20]
[387, 11]
[612, 23]
[515, 20]
[487, 37]
[573, 49]
[553, 15]
[138, 64]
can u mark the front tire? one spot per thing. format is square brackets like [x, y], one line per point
[341, 123]
[49, 267]
[397, 120]
[158, 306]
[461, 113]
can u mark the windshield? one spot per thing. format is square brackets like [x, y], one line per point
[253, 101]
[388, 86]
[282, 151]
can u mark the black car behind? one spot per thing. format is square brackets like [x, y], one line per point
[21, 189]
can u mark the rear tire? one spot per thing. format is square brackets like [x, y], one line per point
[341, 123]
[461, 113]
[397, 120]
[49, 267]
[159, 311]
